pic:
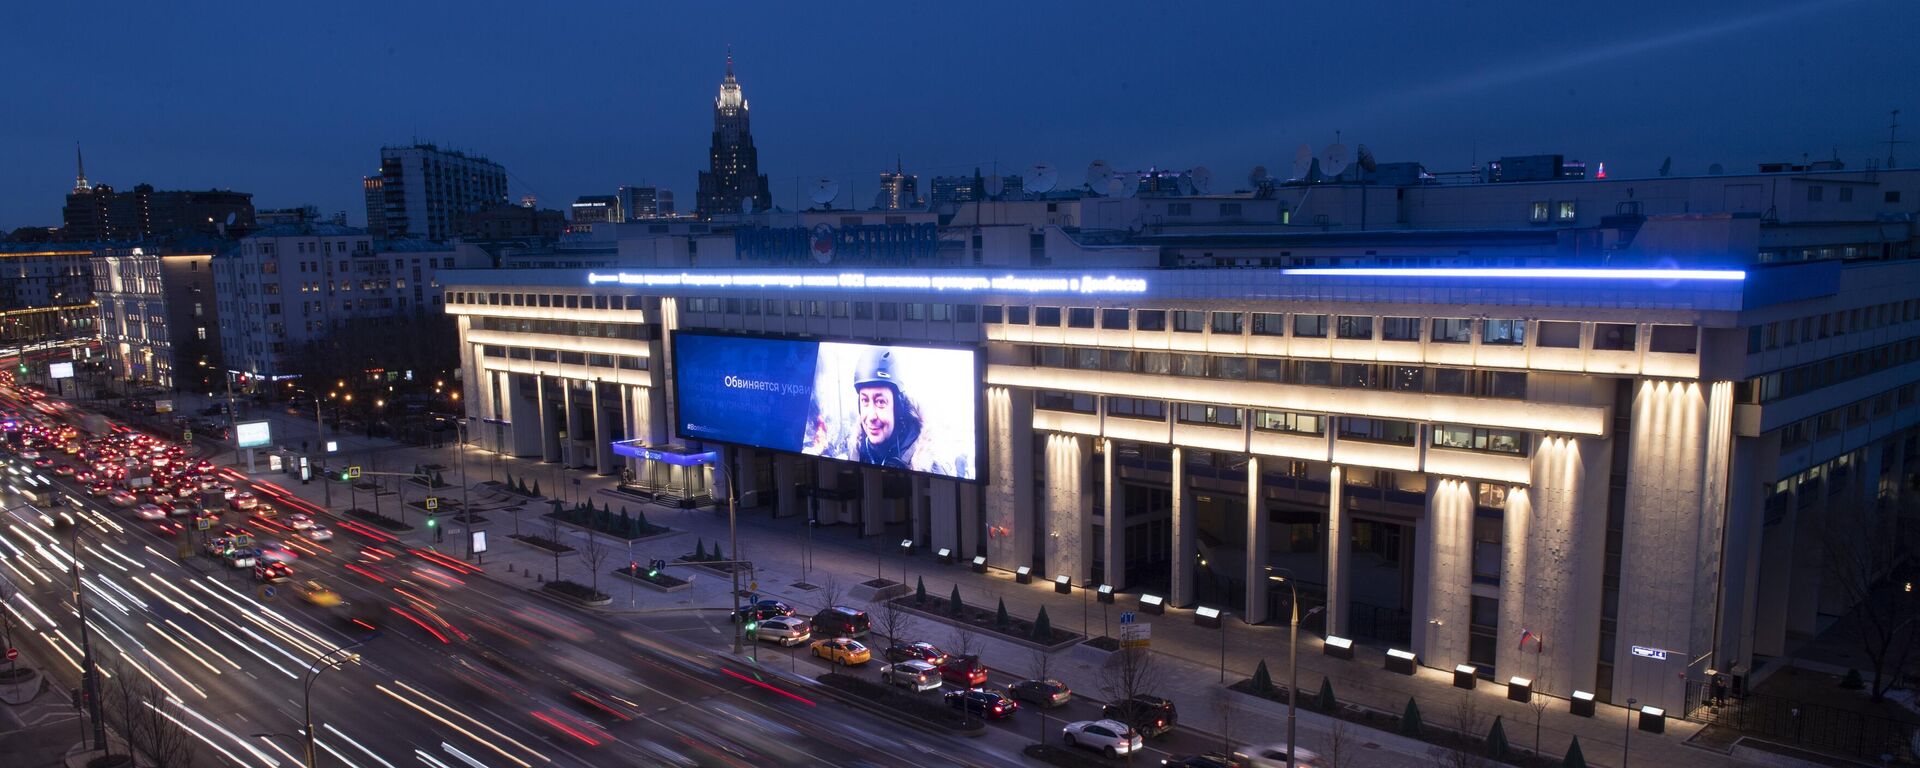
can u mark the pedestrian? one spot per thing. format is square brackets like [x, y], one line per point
[1719, 689]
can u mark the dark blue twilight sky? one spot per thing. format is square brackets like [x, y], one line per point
[291, 101]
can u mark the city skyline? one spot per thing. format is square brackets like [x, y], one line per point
[1220, 91]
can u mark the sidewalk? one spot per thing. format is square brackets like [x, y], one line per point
[1193, 656]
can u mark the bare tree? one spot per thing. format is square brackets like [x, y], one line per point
[1040, 666]
[1223, 706]
[553, 537]
[1858, 561]
[1130, 672]
[830, 592]
[1539, 704]
[1341, 748]
[964, 643]
[594, 553]
[895, 622]
[142, 710]
[1469, 724]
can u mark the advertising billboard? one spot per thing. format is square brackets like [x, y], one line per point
[60, 371]
[908, 407]
[253, 434]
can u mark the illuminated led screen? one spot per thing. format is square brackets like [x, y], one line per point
[912, 408]
[253, 434]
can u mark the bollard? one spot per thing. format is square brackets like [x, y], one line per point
[540, 577]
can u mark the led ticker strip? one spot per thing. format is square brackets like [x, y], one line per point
[860, 281]
[1525, 273]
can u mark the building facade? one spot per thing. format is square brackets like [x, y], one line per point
[98, 213]
[899, 191]
[425, 192]
[157, 317]
[1631, 436]
[733, 178]
[45, 275]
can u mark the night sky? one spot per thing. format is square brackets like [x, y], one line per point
[291, 101]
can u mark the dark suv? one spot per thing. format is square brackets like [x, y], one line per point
[992, 705]
[1152, 716]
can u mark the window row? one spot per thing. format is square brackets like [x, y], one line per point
[1786, 333]
[630, 331]
[557, 301]
[1318, 373]
[1503, 441]
[1556, 334]
[1812, 377]
[597, 360]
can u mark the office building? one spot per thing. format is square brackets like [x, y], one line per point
[157, 317]
[45, 275]
[1620, 415]
[98, 213]
[898, 190]
[597, 209]
[513, 222]
[643, 202]
[733, 179]
[425, 192]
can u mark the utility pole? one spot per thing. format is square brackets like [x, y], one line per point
[233, 416]
[90, 675]
[466, 511]
[733, 537]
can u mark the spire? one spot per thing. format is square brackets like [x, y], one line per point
[730, 97]
[80, 178]
[729, 62]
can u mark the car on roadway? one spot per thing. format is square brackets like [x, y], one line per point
[1275, 756]
[150, 511]
[168, 527]
[1046, 693]
[1108, 737]
[123, 498]
[992, 705]
[317, 594]
[244, 499]
[922, 651]
[842, 651]
[275, 551]
[272, 572]
[265, 510]
[785, 630]
[99, 489]
[241, 558]
[29, 454]
[913, 673]
[317, 532]
[160, 496]
[1208, 760]
[764, 609]
[841, 621]
[964, 671]
[1152, 716]
[299, 521]
[64, 470]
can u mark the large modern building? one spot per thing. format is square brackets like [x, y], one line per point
[44, 275]
[1625, 416]
[98, 213]
[733, 176]
[425, 192]
[899, 190]
[158, 319]
[284, 287]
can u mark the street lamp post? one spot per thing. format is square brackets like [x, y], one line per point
[1626, 741]
[466, 511]
[733, 539]
[325, 662]
[90, 675]
[1293, 660]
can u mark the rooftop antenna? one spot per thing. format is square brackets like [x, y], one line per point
[995, 185]
[1042, 178]
[80, 179]
[1666, 166]
[1302, 162]
[1893, 137]
[1098, 175]
[1334, 160]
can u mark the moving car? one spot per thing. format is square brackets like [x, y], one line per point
[980, 701]
[1108, 737]
[842, 651]
[168, 527]
[1208, 760]
[272, 572]
[914, 674]
[244, 500]
[317, 594]
[150, 512]
[299, 521]
[964, 671]
[841, 621]
[927, 652]
[122, 498]
[1046, 693]
[785, 630]
[318, 532]
[1152, 716]
[1275, 756]
[241, 558]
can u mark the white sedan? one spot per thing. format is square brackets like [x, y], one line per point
[245, 500]
[317, 532]
[1275, 756]
[913, 673]
[785, 630]
[299, 521]
[1109, 737]
[150, 512]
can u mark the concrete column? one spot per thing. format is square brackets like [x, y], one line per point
[1440, 627]
[602, 455]
[1008, 498]
[1339, 554]
[1068, 507]
[916, 515]
[1560, 524]
[969, 502]
[1520, 607]
[873, 521]
[944, 511]
[1255, 611]
[1185, 536]
[790, 504]
[1116, 542]
[1742, 599]
[1660, 567]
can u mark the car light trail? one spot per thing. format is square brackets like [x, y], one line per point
[356, 745]
[21, 617]
[336, 753]
[231, 757]
[63, 652]
[255, 751]
[764, 684]
[277, 748]
[423, 625]
[430, 760]
[197, 641]
[183, 649]
[469, 718]
[457, 727]
[462, 756]
[103, 558]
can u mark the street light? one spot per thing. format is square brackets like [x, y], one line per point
[1627, 740]
[1293, 659]
[319, 665]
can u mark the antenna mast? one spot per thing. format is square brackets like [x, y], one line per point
[1893, 136]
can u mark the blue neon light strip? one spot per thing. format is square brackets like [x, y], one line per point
[633, 449]
[1524, 273]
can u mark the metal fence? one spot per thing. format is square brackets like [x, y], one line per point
[1806, 725]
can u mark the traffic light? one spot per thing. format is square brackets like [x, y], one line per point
[653, 569]
[432, 521]
[752, 624]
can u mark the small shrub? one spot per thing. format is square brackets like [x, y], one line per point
[1574, 758]
[1853, 681]
[954, 606]
[1324, 701]
[1497, 740]
[1000, 617]
[1262, 680]
[1410, 720]
[919, 591]
[1042, 627]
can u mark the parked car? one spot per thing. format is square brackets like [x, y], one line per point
[1108, 737]
[1046, 693]
[841, 621]
[964, 671]
[993, 705]
[1152, 716]
[842, 651]
[1275, 756]
[785, 630]
[764, 609]
[914, 674]
[927, 652]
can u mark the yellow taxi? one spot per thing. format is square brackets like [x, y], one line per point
[842, 651]
[317, 594]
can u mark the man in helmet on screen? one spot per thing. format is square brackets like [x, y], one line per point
[890, 430]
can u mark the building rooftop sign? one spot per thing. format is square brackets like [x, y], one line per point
[1524, 273]
[941, 281]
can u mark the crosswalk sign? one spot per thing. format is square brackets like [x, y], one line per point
[353, 473]
[433, 502]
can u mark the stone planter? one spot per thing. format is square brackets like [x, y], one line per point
[24, 688]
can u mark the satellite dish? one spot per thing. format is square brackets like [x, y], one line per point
[1042, 178]
[1129, 184]
[1715, 169]
[1302, 162]
[231, 216]
[1185, 183]
[1259, 177]
[995, 185]
[746, 204]
[1098, 174]
[825, 191]
[1366, 160]
[1201, 178]
[1333, 160]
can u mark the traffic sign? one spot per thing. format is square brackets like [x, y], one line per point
[353, 473]
[186, 436]
[1136, 635]
[13, 653]
[433, 502]
[753, 586]
[1126, 617]
[267, 592]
